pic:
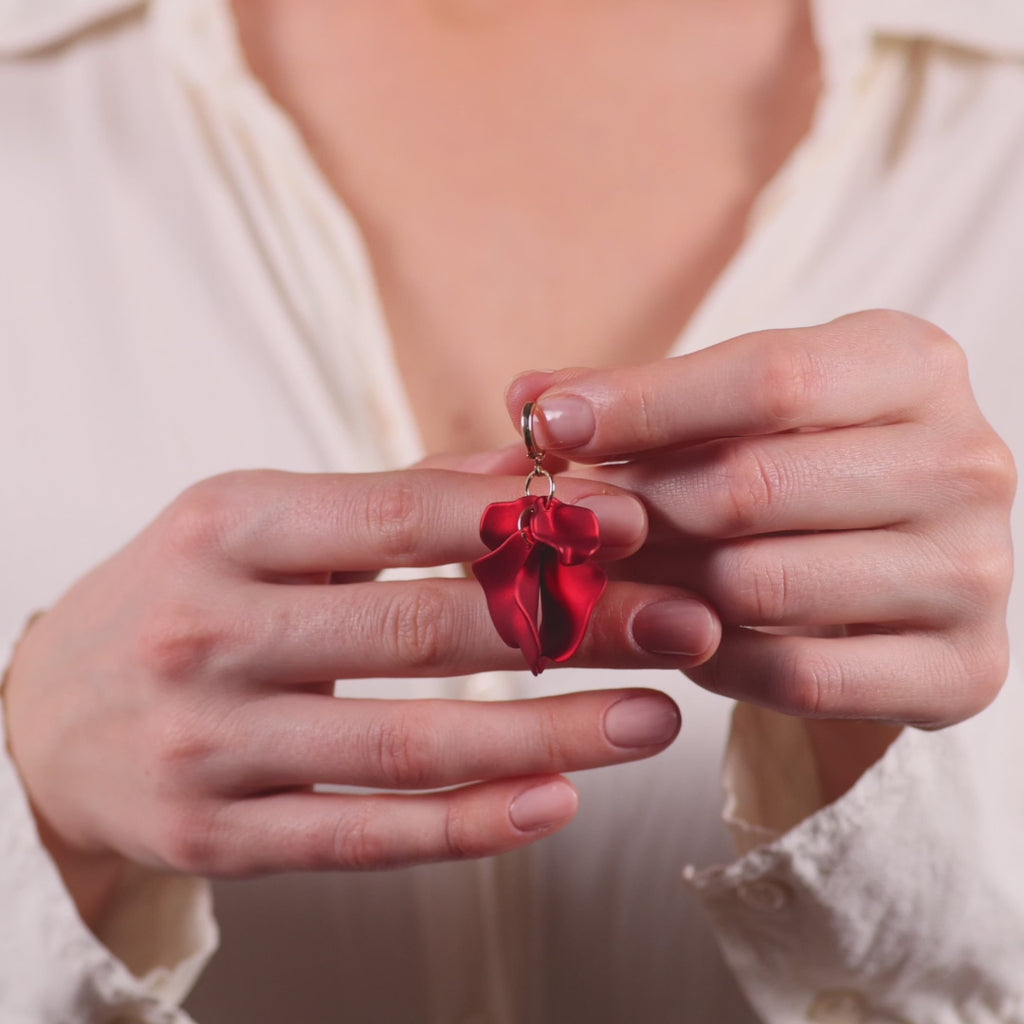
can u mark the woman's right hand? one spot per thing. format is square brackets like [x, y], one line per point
[175, 707]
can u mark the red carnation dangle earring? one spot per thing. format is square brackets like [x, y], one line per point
[540, 582]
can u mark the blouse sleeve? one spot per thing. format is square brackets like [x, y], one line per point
[902, 900]
[156, 939]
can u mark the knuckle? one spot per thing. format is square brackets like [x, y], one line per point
[187, 840]
[764, 587]
[983, 580]
[554, 744]
[994, 668]
[999, 572]
[197, 521]
[894, 323]
[935, 357]
[983, 667]
[907, 328]
[815, 684]
[416, 626]
[358, 842]
[793, 379]
[754, 487]
[177, 641]
[941, 361]
[177, 744]
[458, 833]
[396, 517]
[973, 574]
[406, 750]
[647, 423]
[986, 469]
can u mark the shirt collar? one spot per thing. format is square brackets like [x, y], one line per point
[991, 26]
[29, 25]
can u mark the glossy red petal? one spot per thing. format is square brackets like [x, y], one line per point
[510, 577]
[569, 594]
[501, 519]
[540, 586]
[571, 530]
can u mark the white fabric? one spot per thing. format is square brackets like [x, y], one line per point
[181, 294]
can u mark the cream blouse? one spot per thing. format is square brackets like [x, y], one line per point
[181, 294]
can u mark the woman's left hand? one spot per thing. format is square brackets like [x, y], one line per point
[837, 481]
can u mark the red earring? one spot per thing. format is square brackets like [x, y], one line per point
[540, 584]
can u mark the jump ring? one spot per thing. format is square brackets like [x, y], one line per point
[540, 471]
[524, 517]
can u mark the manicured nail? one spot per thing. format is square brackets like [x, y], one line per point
[621, 518]
[543, 806]
[564, 422]
[674, 627]
[641, 721]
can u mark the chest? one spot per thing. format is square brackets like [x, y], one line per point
[539, 186]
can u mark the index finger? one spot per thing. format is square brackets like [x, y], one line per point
[874, 367]
[269, 521]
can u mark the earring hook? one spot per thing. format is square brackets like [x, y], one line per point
[532, 450]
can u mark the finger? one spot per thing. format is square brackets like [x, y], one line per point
[859, 577]
[829, 480]
[865, 368]
[292, 740]
[510, 460]
[341, 832]
[282, 524]
[924, 679]
[436, 627]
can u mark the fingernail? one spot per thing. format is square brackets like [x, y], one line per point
[621, 518]
[641, 721]
[564, 422]
[674, 627]
[543, 806]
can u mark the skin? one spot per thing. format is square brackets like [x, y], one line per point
[181, 723]
[835, 484]
[541, 183]
[174, 708]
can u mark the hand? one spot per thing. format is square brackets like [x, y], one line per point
[836, 479]
[174, 708]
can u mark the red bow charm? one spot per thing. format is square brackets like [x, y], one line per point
[541, 587]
